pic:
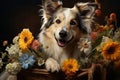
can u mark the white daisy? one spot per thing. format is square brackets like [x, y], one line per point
[85, 45]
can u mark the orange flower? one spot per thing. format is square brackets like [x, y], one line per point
[100, 29]
[98, 12]
[94, 35]
[113, 17]
[111, 51]
[70, 67]
[26, 39]
[5, 43]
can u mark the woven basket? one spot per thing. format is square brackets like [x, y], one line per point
[43, 74]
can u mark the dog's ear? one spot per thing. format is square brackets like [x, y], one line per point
[50, 7]
[86, 9]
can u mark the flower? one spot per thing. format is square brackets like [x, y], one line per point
[13, 49]
[85, 45]
[26, 39]
[40, 61]
[100, 29]
[98, 12]
[70, 67]
[111, 50]
[117, 35]
[15, 39]
[27, 61]
[1, 63]
[13, 68]
[94, 35]
[5, 43]
[113, 17]
[35, 45]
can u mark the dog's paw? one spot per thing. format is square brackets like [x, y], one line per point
[52, 65]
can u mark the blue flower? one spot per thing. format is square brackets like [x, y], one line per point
[27, 61]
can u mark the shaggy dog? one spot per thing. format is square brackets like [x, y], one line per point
[62, 29]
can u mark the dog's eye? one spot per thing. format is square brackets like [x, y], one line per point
[58, 21]
[72, 22]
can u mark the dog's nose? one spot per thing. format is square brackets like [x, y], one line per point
[63, 33]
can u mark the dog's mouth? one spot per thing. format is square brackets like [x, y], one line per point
[63, 42]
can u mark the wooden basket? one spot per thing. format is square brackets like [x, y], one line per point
[43, 74]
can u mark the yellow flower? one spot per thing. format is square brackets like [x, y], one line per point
[70, 67]
[111, 50]
[26, 39]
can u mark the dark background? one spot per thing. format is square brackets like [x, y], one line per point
[19, 14]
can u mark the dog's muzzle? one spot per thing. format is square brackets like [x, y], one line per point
[63, 34]
[63, 39]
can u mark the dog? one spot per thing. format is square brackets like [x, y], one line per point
[62, 28]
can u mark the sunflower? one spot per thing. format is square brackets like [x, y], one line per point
[26, 39]
[111, 51]
[70, 67]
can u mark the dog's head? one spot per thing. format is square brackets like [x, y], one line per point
[66, 24]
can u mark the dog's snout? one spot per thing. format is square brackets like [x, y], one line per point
[63, 33]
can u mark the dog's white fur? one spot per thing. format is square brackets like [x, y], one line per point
[57, 54]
